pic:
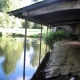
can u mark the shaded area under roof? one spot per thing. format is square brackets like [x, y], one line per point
[55, 18]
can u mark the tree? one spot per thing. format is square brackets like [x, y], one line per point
[11, 49]
[7, 21]
[9, 5]
[24, 24]
[35, 25]
[35, 56]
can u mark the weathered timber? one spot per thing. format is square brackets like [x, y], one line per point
[51, 12]
[56, 6]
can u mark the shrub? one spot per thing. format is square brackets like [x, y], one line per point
[0, 33]
[53, 37]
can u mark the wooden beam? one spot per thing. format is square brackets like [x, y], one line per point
[57, 6]
[63, 18]
[57, 16]
[62, 23]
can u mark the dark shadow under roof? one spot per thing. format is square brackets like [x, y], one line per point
[57, 18]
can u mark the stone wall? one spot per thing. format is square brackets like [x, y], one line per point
[64, 58]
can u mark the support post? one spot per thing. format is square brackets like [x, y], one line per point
[50, 40]
[46, 38]
[25, 50]
[50, 29]
[40, 44]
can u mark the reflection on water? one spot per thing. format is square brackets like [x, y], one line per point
[35, 56]
[11, 58]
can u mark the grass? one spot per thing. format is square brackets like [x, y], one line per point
[21, 32]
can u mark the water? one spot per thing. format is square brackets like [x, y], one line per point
[12, 55]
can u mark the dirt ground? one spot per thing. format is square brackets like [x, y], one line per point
[63, 63]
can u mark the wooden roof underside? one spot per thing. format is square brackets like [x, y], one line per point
[51, 12]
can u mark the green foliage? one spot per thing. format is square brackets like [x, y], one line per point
[11, 49]
[31, 25]
[7, 21]
[0, 33]
[9, 5]
[17, 35]
[2, 5]
[28, 45]
[34, 35]
[35, 56]
[53, 37]
[37, 26]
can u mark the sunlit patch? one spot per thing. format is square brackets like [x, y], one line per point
[25, 2]
[2, 59]
[21, 78]
[28, 53]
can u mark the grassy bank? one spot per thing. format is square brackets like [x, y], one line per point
[21, 32]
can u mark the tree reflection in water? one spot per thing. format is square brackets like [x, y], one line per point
[28, 46]
[11, 49]
[35, 56]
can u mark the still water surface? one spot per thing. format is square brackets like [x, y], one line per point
[11, 58]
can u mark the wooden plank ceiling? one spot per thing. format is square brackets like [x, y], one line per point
[51, 12]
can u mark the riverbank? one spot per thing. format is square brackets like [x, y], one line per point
[62, 62]
[21, 32]
[39, 74]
